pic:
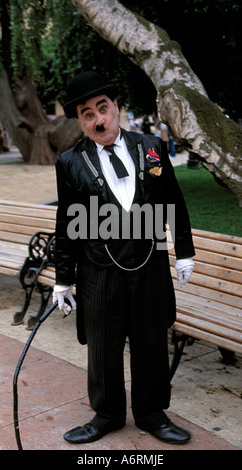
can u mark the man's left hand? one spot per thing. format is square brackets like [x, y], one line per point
[184, 268]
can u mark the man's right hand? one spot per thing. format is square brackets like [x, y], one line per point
[59, 294]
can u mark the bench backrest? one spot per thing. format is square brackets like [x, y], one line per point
[19, 221]
[218, 268]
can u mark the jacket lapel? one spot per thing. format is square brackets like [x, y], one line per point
[91, 161]
[136, 150]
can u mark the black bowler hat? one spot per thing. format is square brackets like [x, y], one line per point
[83, 86]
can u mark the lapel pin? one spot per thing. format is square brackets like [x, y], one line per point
[157, 170]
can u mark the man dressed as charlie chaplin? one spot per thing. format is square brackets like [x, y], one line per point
[123, 284]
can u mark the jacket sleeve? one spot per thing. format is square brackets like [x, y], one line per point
[181, 235]
[65, 253]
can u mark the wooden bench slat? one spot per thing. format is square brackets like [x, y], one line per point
[219, 272]
[211, 328]
[217, 259]
[231, 275]
[8, 203]
[210, 294]
[11, 248]
[211, 235]
[48, 272]
[4, 257]
[211, 312]
[230, 262]
[194, 300]
[24, 229]
[216, 286]
[8, 263]
[17, 220]
[217, 246]
[15, 237]
[9, 271]
[47, 276]
[46, 281]
[217, 236]
[209, 337]
[45, 213]
[228, 248]
[214, 236]
[231, 322]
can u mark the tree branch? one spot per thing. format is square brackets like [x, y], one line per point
[182, 101]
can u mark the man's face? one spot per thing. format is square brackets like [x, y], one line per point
[99, 119]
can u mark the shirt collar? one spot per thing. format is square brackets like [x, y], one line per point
[116, 142]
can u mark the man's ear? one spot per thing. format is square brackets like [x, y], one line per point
[77, 118]
[115, 102]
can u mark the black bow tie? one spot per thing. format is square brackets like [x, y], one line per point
[118, 165]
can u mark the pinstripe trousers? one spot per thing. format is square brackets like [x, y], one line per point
[117, 304]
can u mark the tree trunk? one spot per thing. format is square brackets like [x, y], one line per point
[11, 118]
[38, 139]
[195, 121]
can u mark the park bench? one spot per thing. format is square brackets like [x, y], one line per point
[209, 307]
[26, 247]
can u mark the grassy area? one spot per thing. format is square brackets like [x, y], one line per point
[211, 206]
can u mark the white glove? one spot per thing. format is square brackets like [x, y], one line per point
[184, 268]
[59, 294]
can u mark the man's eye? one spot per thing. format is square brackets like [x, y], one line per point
[103, 108]
[89, 116]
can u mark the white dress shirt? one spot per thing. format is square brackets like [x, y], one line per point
[123, 188]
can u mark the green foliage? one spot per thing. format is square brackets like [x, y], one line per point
[211, 206]
[28, 22]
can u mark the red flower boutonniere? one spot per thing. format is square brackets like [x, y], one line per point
[152, 156]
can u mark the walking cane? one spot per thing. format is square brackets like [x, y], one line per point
[20, 362]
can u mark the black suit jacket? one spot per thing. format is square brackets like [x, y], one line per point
[77, 181]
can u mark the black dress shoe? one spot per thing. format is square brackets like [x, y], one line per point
[88, 433]
[170, 433]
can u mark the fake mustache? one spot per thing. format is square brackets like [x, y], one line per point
[100, 128]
